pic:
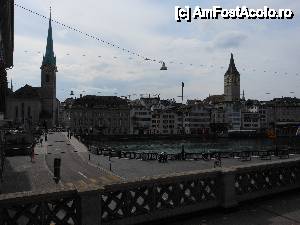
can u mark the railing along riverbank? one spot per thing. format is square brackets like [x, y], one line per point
[244, 155]
[152, 198]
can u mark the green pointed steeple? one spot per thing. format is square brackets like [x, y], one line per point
[49, 58]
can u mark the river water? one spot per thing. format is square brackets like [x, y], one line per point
[195, 146]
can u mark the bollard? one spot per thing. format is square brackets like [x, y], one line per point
[57, 163]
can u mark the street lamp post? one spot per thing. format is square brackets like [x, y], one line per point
[182, 108]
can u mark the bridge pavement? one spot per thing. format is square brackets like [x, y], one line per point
[76, 168]
[23, 175]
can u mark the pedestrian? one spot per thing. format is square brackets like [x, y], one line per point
[218, 162]
[46, 138]
[109, 154]
[41, 142]
[182, 152]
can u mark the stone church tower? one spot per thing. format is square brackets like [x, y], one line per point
[49, 112]
[232, 82]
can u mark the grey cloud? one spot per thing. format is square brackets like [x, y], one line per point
[230, 40]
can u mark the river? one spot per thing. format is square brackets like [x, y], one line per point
[196, 146]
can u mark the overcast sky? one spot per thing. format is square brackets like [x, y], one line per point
[148, 27]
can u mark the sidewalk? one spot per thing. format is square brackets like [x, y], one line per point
[76, 143]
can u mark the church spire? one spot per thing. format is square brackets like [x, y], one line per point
[231, 68]
[49, 57]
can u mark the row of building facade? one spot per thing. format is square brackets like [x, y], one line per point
[217, 114]
[111, 115]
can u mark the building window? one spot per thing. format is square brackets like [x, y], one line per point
[47, 78]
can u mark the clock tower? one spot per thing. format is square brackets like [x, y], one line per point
[232, 82]
[48, 82]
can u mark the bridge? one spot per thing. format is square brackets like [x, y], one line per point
[151, 198]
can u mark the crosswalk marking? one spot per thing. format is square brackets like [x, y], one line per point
[83, 175]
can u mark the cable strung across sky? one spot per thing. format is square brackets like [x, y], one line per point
[148, 59]
[88, 35]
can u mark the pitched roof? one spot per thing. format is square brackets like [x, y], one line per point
[100, 101]
[27, 92]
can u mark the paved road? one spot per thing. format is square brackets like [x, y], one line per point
[74, 167]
